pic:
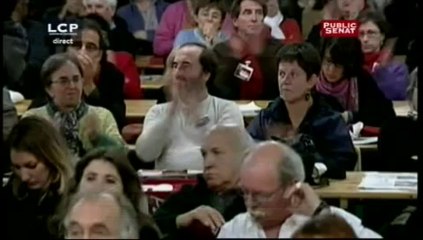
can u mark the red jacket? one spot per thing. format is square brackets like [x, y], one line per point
[126, 64]
[292, 32]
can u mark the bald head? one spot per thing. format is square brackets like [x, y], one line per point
[234, 135]
[276, 158]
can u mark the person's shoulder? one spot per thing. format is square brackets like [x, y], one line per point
[178, 6]
[355, 223]
[222, 48]
[223, 104]
[101, 112]
[236, 226]
[39, 111]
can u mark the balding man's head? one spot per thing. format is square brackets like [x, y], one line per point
[223, 151]
[194, 56]
[267, 172]
[97, 215]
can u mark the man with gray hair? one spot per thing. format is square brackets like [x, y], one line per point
[278, 201]
[198, 212]
[120, 38]
[100, 215]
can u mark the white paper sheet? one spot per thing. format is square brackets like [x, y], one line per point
[250, 109]
[390, 181]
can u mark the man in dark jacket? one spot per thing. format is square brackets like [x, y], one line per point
[247, 66]
[198, 212]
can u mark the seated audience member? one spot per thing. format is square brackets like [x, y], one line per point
[120, 39]
[83, 126]
[123, 61]
[330, 11]
[42, 169]
[109, 170]
[285, 29]
[272, 178]
[100, 215]
[15, 48]
[391, 77]
[209, 16]
[38, 49]
[351, 9]
[248, 68]
[344, 78]
[325, 226]
[103, 83]
[173, 131]
[177, 17]
[197, 212]
[301, 117]
[143, 17]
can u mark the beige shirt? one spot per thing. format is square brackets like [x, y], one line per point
[174, 142]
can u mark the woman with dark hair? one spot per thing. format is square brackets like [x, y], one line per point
[83, 126]
[344, 78]
[391, 77]
[109, 170]
[103, 82]
[41, 170]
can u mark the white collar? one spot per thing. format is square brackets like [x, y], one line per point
[274, 23]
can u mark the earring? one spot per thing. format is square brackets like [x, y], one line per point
[307, 96]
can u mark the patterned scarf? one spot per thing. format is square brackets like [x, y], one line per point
[346, 91]
[68, 124]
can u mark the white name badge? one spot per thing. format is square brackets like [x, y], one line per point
[244, 71]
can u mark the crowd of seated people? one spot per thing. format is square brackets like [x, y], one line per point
[70, 172]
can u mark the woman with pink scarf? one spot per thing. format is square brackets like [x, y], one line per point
[357, 94]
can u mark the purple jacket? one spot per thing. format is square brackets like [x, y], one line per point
[173, 21]
[393, 80]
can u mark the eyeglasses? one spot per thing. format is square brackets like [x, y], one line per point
[67, 82]
[89, 47]
[370, 34]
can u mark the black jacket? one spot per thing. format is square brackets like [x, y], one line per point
[324, 127]
[374, 109]
[29, 218]
[121, 40]
[226, 85]
[189, 198]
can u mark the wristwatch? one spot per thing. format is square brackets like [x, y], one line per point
[322, 206]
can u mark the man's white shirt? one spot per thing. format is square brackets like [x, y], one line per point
[243, 226]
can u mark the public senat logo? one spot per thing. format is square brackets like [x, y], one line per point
[339, 28]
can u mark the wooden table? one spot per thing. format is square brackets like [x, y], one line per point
[152, 82]
[137, 109]
[348, 189]
[150, 62]
[134, 108]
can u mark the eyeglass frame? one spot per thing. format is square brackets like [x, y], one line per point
[370, 34]
[67, 82]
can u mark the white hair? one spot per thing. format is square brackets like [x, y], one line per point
[110, 3]
[290, 166]
[240, 139]
[129, 227]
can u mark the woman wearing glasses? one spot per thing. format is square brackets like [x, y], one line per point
[83, 126]
[103, 83]
[344, 78]
[391, 77]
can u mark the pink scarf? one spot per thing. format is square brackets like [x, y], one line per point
[345, 91]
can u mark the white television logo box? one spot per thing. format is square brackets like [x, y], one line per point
[63, 29]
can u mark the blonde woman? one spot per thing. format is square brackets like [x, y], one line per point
[41, 169]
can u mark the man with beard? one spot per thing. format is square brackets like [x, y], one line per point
[278, 201]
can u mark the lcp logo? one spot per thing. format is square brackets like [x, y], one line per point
[63, 29]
